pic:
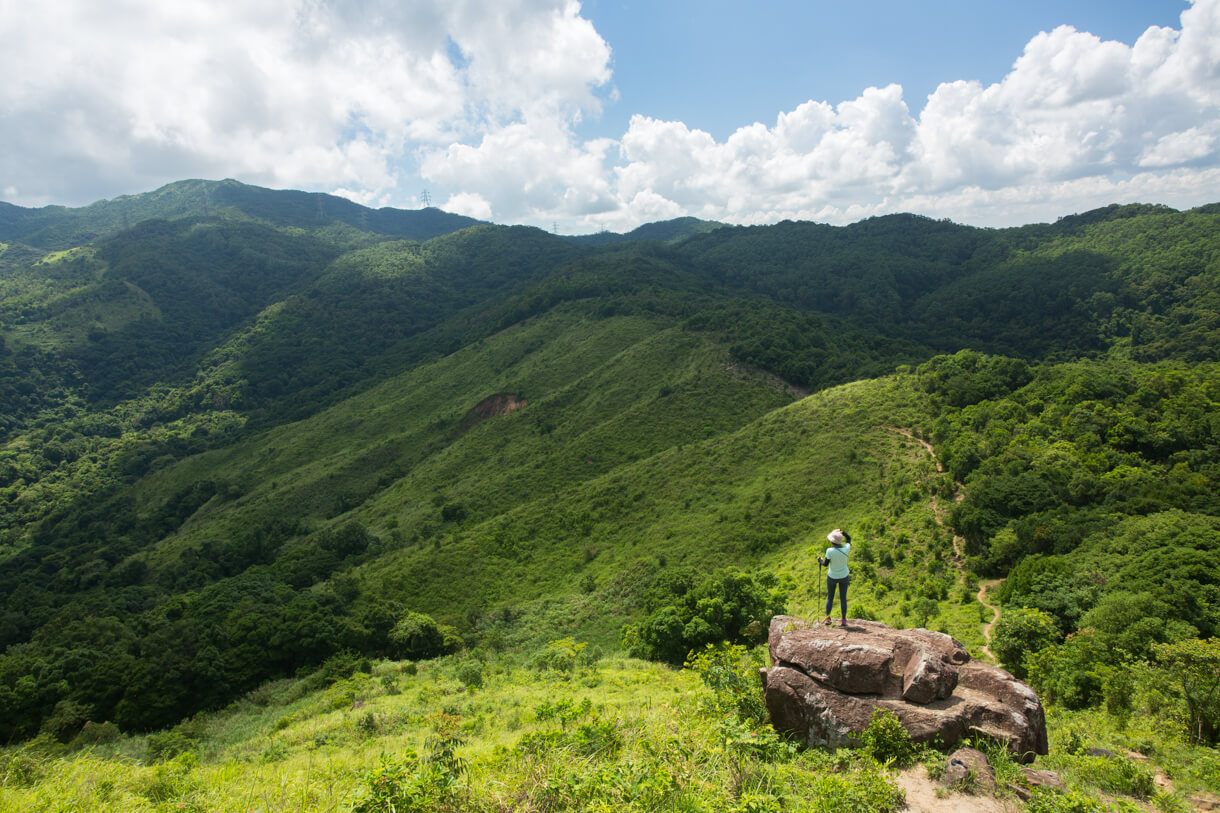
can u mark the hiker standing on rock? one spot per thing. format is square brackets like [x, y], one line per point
[837, 574]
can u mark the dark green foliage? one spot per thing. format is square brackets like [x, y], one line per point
[166, 745]
[730, 606]
[666, 230]
[417, 636]
[1019, 632]
[169, 537]
[886, 739]
[1192, 667]
[1066, 455]
[968, 377]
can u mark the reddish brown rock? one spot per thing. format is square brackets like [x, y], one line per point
[825, 683]
[968, 770]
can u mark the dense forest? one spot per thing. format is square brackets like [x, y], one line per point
[246, 433]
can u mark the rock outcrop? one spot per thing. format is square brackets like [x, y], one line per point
[825, 683]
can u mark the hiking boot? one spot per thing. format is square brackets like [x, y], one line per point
[827, 621]
[842, 622]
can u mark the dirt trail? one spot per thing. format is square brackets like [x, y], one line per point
[995, 616]
[959, 543]
[922, 797]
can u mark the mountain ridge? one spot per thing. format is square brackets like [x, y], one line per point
[261, 405]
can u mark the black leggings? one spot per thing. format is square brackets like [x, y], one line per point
[830, 594]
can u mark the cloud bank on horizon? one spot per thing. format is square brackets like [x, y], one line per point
[482, 101]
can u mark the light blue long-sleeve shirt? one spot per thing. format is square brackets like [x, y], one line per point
[837, 559]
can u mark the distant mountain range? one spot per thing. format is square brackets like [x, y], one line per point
[244, 429]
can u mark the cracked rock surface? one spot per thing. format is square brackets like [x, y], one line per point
[825, 683]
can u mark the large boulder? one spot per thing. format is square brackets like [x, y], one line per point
[825, 683]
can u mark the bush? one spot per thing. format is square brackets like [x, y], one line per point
[1193, 668]
[67, 719]
[172, 780]
[21, 769]
[887, 740]
[1045, 800]
[417, 636]
[96, 734]
[865, 788]
[470, 673]
[1019, 633]
[167, 745]
[1066, 673]
[1114, 775]
[562, 655]
[401, 785]
[731, 672]
[727, 606]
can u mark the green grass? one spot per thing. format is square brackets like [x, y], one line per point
[1143, 743]
[613, 734]
[620, 734]
[639, 448]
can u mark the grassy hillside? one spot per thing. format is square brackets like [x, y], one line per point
[560, 729]
[246, 431]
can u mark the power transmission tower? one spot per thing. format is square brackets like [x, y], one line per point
[321, 210]
[425, 198]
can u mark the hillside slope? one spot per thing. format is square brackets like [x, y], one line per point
[237, 440]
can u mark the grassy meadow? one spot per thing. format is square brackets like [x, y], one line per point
[562, 729]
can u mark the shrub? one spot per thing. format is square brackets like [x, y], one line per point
[96, 734]
[172, 780]
[401, 785]
[887, 740]
[1045, 800]
[417, 636]
[730, 606]
[1020, 632]
[731, 672]
[1115, 775]
[1066, 673]
[67, 719]
[561, 655]
[470, 673]
[21, 769]
[864, 788]
[166, 745]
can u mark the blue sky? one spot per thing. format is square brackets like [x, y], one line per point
[610, 113]
[718, 65]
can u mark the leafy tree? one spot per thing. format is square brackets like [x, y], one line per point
[729, 606]
[417, 636]
[1070, 673]
[1193, 665]
[1131, 624]
[1019, 633]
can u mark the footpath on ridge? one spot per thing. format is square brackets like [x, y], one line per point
[959, 545]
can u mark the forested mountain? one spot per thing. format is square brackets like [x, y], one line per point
[245, 430]
[58, 227]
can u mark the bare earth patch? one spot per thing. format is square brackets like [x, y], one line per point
[922, 798]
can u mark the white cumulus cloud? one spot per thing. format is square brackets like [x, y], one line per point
[483, 101]
[1077, 122]
[313, 93]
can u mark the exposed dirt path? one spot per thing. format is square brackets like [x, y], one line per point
[959, 543]
[922, 797]
[995, 616]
